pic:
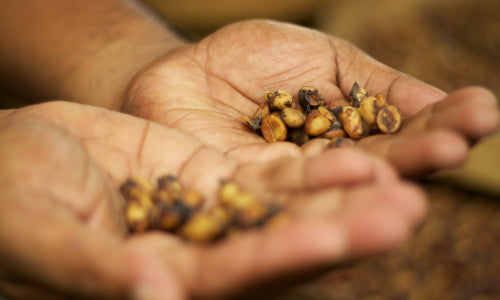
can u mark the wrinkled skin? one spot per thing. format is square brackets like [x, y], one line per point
[62, 164]
[203, 89]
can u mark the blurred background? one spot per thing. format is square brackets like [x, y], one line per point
[449, 44]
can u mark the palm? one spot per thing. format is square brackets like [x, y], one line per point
[79, 206]
[203, 89]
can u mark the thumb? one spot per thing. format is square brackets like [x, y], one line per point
[57, 256]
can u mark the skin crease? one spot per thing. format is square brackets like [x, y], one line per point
[345, 203]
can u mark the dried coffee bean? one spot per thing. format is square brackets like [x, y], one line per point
[162, 196]
[202, 228]
[273, 129]
[326, 113]
[228, 190]
[193, 199]
[381, 101]
[334, 131]
[135, 185]
[252, 215]
[316, 123]
[256, 119]
[290, 125]
[293, 118]
[310, 98]
[137, 216]
[352, 122]
[240, 201]
[356, 95]
[171, 217]
[139, 196]
[277, 100]
[171, 185]
[299, 136]
[368, 109]
[389, 119]
[237, 210]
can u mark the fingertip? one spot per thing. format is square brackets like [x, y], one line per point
[477, 94]
[427, 152]
[446, 149]
[406, 199]
[378, 230]
[409, 200]
[337, 167]
[345, 166]
[472, 111]
[487, 119]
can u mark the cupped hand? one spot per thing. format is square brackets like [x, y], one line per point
[203, 89]
[63, 235]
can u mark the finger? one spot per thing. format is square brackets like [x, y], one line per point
[263, 152]
[471, 112]
[405, 198]
[420, 154]
[306, 243]
[67, 258]
[335, 167]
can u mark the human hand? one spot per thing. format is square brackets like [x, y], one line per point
[63, 234]
[204, 88]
